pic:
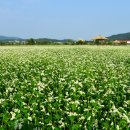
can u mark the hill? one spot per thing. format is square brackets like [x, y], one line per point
[52, 40]
[123, 36]
[5, 38]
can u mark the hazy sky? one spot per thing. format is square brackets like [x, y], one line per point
[62, 19]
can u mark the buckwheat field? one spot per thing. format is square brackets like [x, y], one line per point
[65, 88]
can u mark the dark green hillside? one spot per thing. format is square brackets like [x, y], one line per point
[123, 36]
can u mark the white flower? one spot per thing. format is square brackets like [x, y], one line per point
[62, 124]
[117, 127]
[24, 103]
[68, 99]
[82, 118]
[41, 123]
[92, 101]
[86, 109]
[81, 92]
[80, 84]
[18, 125]
[30, 118]
[22, 97]
[114, 110]
[49, 123]
[77, 102]
[61, 80]
[72, 114]
[67, 93]
[89, 118]
[40, 86]
[31, 109]
[13, 115]
[1, 101]
[17, 110]
[9, 90]
[128, 91]
[43, 108]
[42, 73]
[112, 124]
[126, 118]
[73, 88]
[108, 119]
[50, 99]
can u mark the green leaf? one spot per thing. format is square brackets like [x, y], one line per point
[75, 127]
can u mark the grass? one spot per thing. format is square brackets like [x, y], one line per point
[65, 87]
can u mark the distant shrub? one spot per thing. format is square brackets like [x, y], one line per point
[119, 43]
[123, 43]
[81, 42]
[30, 41]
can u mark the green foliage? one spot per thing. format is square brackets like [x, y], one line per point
[65, 87]
[30, 41]
[97, 42]
[81, 42]
[123, 43]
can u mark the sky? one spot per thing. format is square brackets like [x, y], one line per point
[61, 19]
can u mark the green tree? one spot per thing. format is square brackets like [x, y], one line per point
[30, 41]
[80, 42]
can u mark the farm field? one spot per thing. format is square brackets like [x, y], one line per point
[65, 87]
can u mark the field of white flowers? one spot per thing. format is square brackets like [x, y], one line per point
[65, 87]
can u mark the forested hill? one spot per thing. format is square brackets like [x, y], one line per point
[5, 38]
[123, 36]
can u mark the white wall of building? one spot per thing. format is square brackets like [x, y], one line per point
[128, 42]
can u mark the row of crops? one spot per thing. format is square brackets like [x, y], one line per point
[64, 88]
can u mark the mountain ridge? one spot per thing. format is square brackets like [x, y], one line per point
[121, 36]
[6, 38]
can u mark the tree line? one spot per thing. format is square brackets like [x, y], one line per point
[32, 41]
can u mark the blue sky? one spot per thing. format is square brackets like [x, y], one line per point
[76, 19]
